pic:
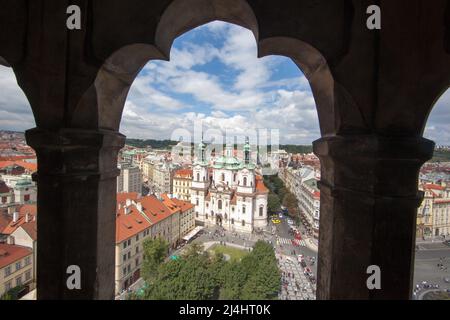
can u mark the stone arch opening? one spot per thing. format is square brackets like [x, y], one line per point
[14, 101]
[118, 72]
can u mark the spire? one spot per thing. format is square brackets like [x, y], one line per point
[202, 148]
[229, 151]
[247, 151]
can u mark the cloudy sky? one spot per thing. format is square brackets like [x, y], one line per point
[214, 79]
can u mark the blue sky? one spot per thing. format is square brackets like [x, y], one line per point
[214, 78]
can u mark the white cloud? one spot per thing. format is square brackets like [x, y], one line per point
[15, 110]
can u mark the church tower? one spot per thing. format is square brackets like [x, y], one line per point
[200, 182]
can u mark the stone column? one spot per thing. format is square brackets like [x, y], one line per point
[369, 201]
[76, 204]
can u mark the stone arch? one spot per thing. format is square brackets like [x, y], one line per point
[5, 63]
[117, 74]
[438, 96]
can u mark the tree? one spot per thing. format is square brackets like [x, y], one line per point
[291, 203]
[194, 249]
[198, 275]
[273, 203]
[155, 251]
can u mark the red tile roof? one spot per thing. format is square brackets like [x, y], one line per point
[433, 187]
[122, 197]
[5, 219]
[31, 167]
[176, 204]
[154, 209]
[183, 173]
[4, 188]
[260, 187]
[184, 205]
[10, 253]
[31, 209]
[15, 158]
[129, 225]
[233, 199]
[31, 229]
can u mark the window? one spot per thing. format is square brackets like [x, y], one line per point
[4, 199]
[196, 201]
[261, 209]
[124, 271]
[243, 209]
[206, 216]
[124, 257]
[245, 181]
[28, 275]
[7, 271]
[243, 223]
[26, 197]
[8, 286]
[18, 280]
[137, 237]
[18, 265]
[27, 261]
[232, 220]
[198, 176]
[219, 204]
[129, 255]
[223, 177]
[129, 242]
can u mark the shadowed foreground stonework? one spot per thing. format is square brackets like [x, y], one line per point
[374, 91]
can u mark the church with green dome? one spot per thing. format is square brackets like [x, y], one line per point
[228, 191]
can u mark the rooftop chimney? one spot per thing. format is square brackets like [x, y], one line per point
[128, 202]
[10, 240]
[139, 206]
[11, 209]
[127, 210]
[15, 216]
[27, 217]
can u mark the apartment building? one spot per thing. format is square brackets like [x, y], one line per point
[186, 213]
[16, 267]
[182, 182]
[309, 204]
[140, 218]
[433, 215]
[162, 178]
[130, 179]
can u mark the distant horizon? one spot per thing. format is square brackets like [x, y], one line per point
[177, 141]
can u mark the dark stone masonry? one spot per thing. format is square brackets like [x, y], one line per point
[374, 90]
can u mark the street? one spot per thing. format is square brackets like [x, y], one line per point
[426, 270]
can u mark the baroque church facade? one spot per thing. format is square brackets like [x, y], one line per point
[229, 192]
